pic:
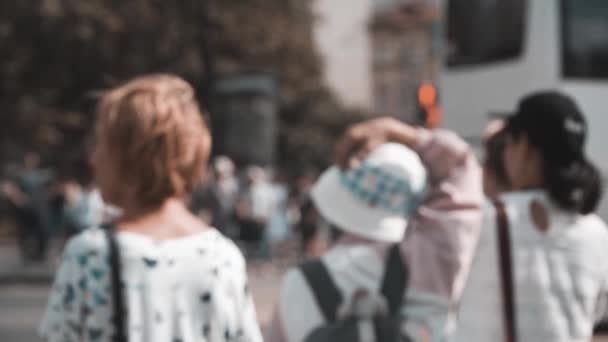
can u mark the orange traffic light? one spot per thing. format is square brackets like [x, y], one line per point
[427, 95]
[428, 103]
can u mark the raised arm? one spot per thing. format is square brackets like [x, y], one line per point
[441, 238]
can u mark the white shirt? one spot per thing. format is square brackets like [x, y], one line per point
[353, 267]
[559, 275]
[262, 198]
[186, 289]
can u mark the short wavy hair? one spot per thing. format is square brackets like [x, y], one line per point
[156, 136]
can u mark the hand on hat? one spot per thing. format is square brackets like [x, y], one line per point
[360, 139]
[493, 128]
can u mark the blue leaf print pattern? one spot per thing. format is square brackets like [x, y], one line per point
[95, 334]
[86, 311]
[97, 273]
[81, 307]
[68, 296]
[83, 260]
[83, 283]
[99, 298]
[151, 263]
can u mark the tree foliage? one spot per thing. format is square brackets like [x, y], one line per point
[57, 53]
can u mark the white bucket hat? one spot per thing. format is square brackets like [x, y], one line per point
[376, 199]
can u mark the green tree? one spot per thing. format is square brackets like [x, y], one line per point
[57, 53]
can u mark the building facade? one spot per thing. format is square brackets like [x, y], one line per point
[401, 41]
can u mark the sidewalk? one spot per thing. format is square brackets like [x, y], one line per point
[14, 271]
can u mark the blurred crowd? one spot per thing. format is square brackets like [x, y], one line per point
[262, 209]
[266, 213]
[43, 204]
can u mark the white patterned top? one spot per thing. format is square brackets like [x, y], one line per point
[187, 289]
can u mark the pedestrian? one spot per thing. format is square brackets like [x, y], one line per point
[32, 210]
[278, 230]
[83, 206]
[254, 208]
[159, 274]
[442, 226]
[225, 189]
[540, 265]
[216, 199]
[310, 225]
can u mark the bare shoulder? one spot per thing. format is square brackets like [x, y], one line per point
[165, 225]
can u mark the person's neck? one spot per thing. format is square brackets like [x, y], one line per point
[137, 212]
[534, 177]
[171, 219]
[534, 182]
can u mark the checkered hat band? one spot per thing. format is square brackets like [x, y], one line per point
[380, 189]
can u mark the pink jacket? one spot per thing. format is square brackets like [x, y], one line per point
[438, 248]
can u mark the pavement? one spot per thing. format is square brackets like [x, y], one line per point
[14, 271]
[21, 309]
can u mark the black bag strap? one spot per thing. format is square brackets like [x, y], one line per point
[327, 295]
[506, 272]
[118, 316]
[395, 279]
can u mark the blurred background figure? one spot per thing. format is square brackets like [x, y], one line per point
[279, 222]
[312, 230]
[28, 195]
[215, 199]
[83, 205]
[255, 206]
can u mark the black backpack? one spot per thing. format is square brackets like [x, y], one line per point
[343, 322]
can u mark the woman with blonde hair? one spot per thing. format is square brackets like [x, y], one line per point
[160, 274]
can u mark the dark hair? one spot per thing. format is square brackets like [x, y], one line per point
[554, 124]
[493, 161]
[84, 176]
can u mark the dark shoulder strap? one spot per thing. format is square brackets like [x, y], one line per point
[326, 293]
[395, 279]
[506, 272]
[118, 317]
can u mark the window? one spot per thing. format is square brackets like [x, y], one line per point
[584, 39]
[484, 31]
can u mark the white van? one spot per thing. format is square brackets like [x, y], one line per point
[499, 50]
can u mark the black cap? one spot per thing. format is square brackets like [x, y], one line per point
[553, 123]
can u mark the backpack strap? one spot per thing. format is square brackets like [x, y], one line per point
[395, 279]
[118, 315]
[326, 293]
[506, 272]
